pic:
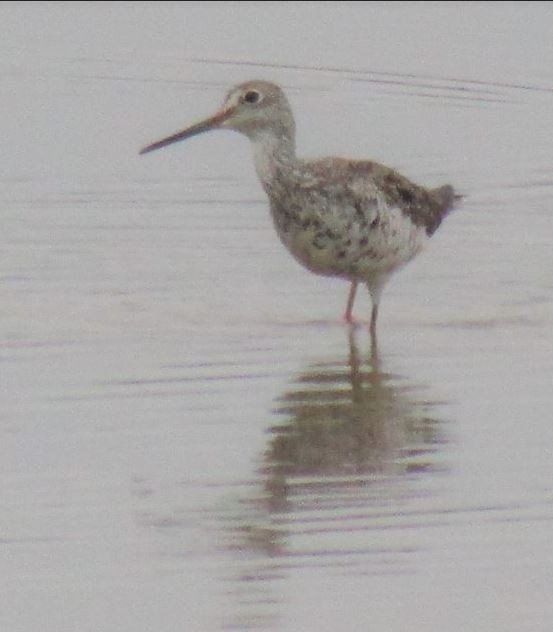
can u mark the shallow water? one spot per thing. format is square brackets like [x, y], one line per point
[192, 439]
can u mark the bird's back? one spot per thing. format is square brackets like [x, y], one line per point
[361, 178]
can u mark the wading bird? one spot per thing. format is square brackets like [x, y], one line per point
[353, 219]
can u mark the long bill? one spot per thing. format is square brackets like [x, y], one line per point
[203, 126]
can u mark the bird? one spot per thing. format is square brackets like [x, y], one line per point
[357, 220]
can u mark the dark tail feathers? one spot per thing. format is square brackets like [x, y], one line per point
[445, 200]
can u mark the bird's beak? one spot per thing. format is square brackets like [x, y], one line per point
[213, 122]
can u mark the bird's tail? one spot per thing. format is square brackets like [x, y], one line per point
[446, 198]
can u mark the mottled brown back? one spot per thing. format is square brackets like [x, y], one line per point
[425, 207]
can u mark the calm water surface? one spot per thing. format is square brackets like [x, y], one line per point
[191, 438]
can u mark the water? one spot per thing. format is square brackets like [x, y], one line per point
[191, 439]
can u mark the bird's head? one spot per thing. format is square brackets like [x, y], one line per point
[254, 108]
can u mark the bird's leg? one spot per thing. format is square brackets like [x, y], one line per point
[351, 300]
[374, 316]
[374, 352]
[375, 290]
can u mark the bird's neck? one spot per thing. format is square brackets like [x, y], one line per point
[274, 157]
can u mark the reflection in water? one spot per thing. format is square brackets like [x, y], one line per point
[350, 418]
[337, 472]
[346, 423]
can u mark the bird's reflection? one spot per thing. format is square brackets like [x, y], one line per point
[336, 473]
[348, 428]
[349, 419]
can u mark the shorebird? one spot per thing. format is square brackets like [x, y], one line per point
[353, 219]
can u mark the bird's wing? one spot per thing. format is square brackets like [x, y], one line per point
[366, 188]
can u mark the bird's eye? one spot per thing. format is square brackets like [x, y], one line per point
[252, 96]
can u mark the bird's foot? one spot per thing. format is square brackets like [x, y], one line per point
[350, 320]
